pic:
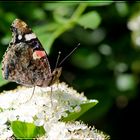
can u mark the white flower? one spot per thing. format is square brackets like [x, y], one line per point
[74, 130]
[57, 130]
[3, 118]
[46, 108]
[5, 132]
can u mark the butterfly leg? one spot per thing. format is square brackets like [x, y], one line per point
[31, 95]
[51, 97]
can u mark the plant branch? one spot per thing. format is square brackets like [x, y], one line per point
[68, 25]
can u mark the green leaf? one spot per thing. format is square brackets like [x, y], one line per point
[90, 20]
[84, 107]
[48, 27]
[26, 130]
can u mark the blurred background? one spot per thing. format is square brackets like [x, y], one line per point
[106, 65]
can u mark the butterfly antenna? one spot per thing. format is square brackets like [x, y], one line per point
[69, 54]
[59, 53]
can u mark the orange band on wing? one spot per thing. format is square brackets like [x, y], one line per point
[38, 54]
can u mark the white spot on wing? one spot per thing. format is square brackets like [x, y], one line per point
[30, 36]
[19, 37]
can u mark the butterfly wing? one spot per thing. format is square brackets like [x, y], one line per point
[25, 60]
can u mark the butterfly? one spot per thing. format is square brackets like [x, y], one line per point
[25, 60]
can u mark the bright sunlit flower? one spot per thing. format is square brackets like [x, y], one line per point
[46, 108]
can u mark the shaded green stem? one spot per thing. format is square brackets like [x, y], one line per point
[71, 22]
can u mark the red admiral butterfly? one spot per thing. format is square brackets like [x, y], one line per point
[25, 61]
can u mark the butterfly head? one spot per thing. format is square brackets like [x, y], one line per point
[55, 75]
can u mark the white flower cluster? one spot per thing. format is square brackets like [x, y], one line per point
[74, 130]
[45, 108]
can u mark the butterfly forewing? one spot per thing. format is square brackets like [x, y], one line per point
[25, 60]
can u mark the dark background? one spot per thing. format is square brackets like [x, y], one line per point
[106, 66]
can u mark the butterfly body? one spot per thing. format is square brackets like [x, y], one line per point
[25, 60]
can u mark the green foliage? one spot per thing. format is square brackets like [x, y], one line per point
[86, 19]
[83, 108]
[26, 130]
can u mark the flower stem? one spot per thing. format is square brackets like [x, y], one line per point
[71, 22]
